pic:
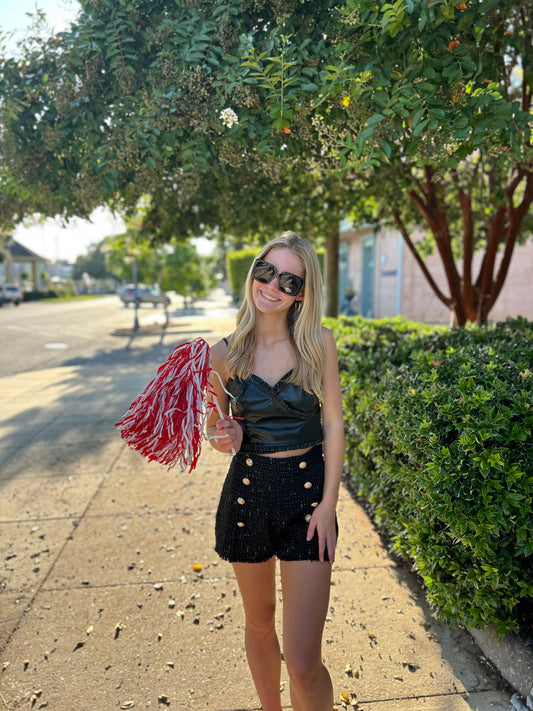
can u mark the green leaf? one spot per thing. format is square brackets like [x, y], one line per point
[375, 119]
[438, 114]
[386, 148]
[364, 135]
[417, 116]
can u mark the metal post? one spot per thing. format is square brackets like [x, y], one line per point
[135, 294]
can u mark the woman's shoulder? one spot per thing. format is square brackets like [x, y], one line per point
[327, 335]
[330, 346]
[218, 354]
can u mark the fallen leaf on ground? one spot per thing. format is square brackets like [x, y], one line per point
[118, 628]
[410, 666]
[348, 670]
[35, 696]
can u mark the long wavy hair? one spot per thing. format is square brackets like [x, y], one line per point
[303, 319]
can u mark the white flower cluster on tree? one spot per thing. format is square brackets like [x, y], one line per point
[229, 117]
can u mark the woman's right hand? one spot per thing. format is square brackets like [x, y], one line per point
[228, 435]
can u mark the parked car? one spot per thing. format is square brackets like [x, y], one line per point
[145, 295]
[10, 293]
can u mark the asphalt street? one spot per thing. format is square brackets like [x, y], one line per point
[45, 334]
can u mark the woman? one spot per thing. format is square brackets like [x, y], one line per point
[279, 369]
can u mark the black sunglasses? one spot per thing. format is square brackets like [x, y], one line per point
[288, 283]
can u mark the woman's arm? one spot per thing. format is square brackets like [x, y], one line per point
[323, 519]
[224, 433]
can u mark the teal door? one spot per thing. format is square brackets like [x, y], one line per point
[367, 283]
[344, 276]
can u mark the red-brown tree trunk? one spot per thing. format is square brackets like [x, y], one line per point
[469, 300]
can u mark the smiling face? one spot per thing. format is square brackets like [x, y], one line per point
[267, 297]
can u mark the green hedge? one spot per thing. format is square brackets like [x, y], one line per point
[439, 439]
[38, 295]
[238, 263]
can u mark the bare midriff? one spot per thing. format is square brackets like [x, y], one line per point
[288, 453]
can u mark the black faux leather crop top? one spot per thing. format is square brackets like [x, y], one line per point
[276, 417]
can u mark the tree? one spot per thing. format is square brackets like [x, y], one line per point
[427, 105]
[93, 263]
[132, 256]
[122, 250]
[134, 100]
[431, 103]
[253, 207]
[187, 273]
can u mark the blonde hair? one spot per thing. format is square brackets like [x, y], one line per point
[303, 319]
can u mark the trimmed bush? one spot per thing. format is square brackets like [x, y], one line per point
[238, 263]
[439, 439]
[37, 295]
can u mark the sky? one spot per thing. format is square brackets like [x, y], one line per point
[52, 239]
[14, 16]
[55, 241]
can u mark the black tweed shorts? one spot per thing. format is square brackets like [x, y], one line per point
[265, 507]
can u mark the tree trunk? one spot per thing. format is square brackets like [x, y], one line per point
[471, 301]
[332, 272]
[432, 210]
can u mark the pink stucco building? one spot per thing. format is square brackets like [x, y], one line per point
[387, 281]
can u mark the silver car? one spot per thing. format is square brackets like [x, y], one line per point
[145, 295]
[10, 294]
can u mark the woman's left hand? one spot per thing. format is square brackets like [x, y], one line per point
[323, 524]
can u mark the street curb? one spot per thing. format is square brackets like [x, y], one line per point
[512, 657]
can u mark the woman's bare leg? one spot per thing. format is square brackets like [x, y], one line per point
[305, 604]
[257, 583]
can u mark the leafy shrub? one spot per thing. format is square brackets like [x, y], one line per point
[37, 295]
[438, 426]
[56, 292]
[238, 263]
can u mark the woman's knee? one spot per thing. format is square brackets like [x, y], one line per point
[303, 666]
[261, 620]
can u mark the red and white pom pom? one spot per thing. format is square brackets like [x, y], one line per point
[166, 421]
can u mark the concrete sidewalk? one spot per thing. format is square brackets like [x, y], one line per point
[113, 597]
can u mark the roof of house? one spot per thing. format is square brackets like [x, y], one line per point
[20, 252]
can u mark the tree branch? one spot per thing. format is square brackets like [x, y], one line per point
[516, 216]
[465, 202]
[446, 300]
[486, 272]
[528, 41]
[437, 222]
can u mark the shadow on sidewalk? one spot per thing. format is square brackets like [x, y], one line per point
[66, 415]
